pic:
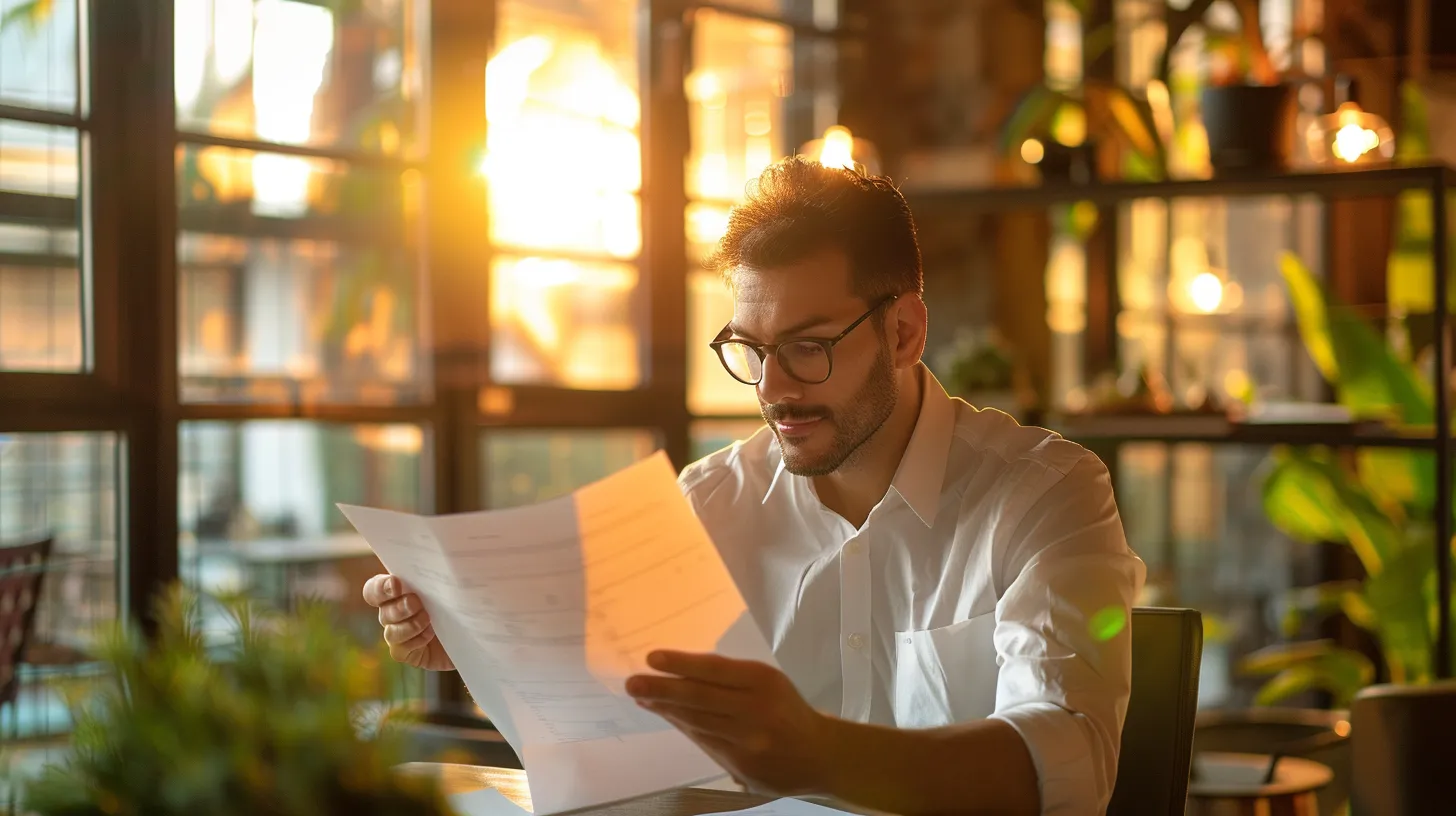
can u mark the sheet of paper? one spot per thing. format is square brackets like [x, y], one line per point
[547, 609]
[784, 807]
[485, 802]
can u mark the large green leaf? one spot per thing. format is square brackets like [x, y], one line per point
[1403, 482]
[1309, 498]
[1300, 499]
[1301, 667]
[1399, 597]
[1369, 379]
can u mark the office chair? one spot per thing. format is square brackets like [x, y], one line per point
[1157, 735]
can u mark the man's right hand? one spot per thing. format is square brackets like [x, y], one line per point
[406, 624]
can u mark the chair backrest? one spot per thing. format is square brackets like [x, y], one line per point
[1157, 735]
[21, 570]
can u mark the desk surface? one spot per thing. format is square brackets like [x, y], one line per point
[512, 783]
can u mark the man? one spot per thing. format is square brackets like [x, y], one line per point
[927, 574]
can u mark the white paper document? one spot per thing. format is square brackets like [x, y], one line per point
[546, 610]
[485, 802]
[784, 807]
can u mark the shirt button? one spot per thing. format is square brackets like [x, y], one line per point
[853, 548]
[856, 641]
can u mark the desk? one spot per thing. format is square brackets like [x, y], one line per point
[512, 783]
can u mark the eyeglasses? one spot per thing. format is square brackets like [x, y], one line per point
[810, 360]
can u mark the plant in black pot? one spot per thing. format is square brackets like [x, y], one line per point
[1248, 106]
[268, 719]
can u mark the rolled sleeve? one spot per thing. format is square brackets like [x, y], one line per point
[1063, 638]
[1061, 750]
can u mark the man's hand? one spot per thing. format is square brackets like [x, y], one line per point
[406, 624]
[746, 715]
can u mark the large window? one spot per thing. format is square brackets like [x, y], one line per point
[300, 282]
[563, 165]
[320, 278]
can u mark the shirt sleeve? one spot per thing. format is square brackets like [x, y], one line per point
[1063, 637]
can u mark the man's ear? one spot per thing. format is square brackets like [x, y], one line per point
[908, 323]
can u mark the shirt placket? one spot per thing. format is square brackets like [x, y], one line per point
[854, 629]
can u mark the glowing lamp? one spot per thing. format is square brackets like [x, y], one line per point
[1350, 137]
[838, 147]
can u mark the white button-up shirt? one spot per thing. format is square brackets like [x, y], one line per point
[992, 580]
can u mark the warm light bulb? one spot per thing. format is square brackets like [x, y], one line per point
[1206, 292]
[1352, 141]
[838, 148]
[1032, 151]
[1350, 136]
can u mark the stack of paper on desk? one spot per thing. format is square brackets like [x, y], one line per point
[546, 610]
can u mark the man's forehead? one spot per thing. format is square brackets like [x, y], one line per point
[770, 305]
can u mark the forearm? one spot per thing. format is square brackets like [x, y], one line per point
[975, 767]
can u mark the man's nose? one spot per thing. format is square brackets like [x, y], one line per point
[776, 385]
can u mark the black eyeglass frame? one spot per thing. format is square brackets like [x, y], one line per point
[764, 349]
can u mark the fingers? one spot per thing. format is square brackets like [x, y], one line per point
[406, 631]
[399, 610]
[691, 694]
[381, 588]
[703, 726]
[711, 668]
[413, 650]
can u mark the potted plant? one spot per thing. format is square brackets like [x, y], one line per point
[980, 368]
[1380, 503]
[1248, 108]
[269, 720]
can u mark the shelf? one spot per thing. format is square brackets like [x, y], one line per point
[1339, 184]
[1212, 429]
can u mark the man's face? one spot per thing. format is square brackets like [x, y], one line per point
[819, 426]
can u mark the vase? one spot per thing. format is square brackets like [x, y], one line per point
[1250, 128]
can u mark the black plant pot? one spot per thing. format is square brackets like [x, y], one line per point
[1250, 128]
[1068, 165]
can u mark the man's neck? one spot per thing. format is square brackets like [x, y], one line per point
[855, 489]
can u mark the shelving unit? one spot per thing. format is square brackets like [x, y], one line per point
[1214, 429]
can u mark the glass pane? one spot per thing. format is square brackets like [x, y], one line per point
[712, 435]
[256, 507]
[64, 485]
[711, 390]
[742, 72]
[299, 280]
[346, 75]
[42, 325]
[563, 158]
[563, 322]
[524, 467]
[38, 54]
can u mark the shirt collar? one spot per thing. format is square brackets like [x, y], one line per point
[921, 474]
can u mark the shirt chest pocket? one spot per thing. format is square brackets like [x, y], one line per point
[946, 675]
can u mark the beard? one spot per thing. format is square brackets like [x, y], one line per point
[853, 423]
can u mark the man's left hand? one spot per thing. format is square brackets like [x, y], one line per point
[746, 715]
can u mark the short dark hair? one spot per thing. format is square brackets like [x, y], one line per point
[798, 207]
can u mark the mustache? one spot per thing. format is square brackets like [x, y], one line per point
[785, 413]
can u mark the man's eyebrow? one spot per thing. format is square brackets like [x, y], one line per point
[791, 331]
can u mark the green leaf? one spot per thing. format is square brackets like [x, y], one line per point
[1400, 598]
[1319, 600]
[33, 14]
[1301, 667]
[1310, 498]
[1300, 499]
[1369, 379]
[1398, 478]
